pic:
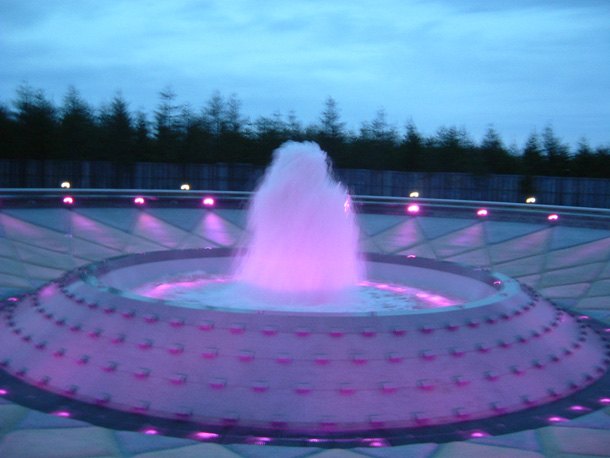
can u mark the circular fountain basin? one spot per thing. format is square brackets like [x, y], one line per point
[499, 348]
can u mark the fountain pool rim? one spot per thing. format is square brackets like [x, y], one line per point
[499, 286]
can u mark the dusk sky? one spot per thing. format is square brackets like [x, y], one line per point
[519, 65]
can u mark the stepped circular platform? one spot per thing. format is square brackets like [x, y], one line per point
[504, 349]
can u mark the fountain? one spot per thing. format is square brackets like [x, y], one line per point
[277, 360]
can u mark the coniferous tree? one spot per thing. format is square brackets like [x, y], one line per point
[77, 129]
[36, 119]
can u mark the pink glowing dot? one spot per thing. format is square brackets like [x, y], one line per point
[414, 208]
[68, 200]
[477, 434]
[411, 256]
[204, 436]
[584, 317]
[577, 408]
[138, 200]
[604, 400]
[151, 432]
[12, 299]
[62, 413]
[3, 392]
[482, 212]
[209, 201]
[553, 217]
[557, 419]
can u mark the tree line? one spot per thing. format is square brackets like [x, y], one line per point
[33, 127]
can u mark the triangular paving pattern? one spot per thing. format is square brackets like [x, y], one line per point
[433, 227]
[7, 249]
[151, 228]
[399, 237]
[218, 230]
[459, 241]
[92, 251]
[565, 236]
[51, 218]
[371, 225]
[15, 281]
[183, 218]
[43, 257]
[235, 217]
[524, 266]
[11, 266]
[528, 245]
[98, 233]
[33, 234]
[580, 274]
[599, 288]
[475, 258]
[501, 231]
[119, 218]
[570, 291]
[42, 273]
[598, 251]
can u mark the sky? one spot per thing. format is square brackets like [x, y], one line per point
[518, 65]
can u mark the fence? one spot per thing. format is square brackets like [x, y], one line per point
[584, 192]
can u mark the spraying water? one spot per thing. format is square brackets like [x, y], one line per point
[303, 234]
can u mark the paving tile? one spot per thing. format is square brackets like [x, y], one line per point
[371, 225]
[595, 420]
[471, 450]
[565, 236]
[10, 415]
[38, 420]
[401, 451]
[501, 231]
[525, 440]
[59, 443]
[131, 443]
[337, 453]
[575, 440]
[258, 451]
[192, 451]
[437, 227]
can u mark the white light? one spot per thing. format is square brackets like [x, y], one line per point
[482, 212]
[185, 187]
[414, 194]
[208, 201]
[553, 217]
[138, 200]
[530, 200]
[65, 185]
[413, 208]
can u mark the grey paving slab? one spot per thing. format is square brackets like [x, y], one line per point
[472, 450]
[133, 443]
[59, 443]
[557, 439]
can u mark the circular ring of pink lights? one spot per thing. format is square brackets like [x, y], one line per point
[84, 343]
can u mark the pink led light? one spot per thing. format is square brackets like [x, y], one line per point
[68, 200]
[477, 434]
[62, 413]
[347, 205]
[578, 408]
[557, 419]
[411, 256]
[604, 400]
[482, 212]
[414, 208]
[204, 436]
[3, 392]
[209, 201]
[151, 431]
[553, 217]
[138, 200]
[12, 299]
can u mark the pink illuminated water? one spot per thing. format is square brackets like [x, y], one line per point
[199, 289]
[303, 235]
